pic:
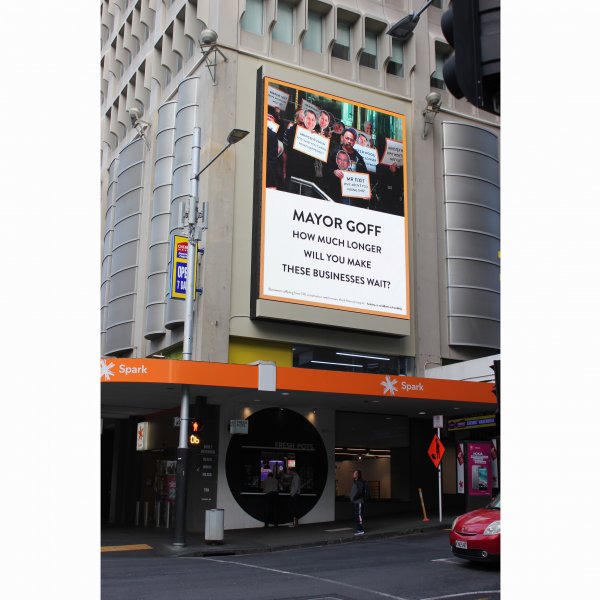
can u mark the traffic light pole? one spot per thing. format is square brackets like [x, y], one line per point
[440, 480]
[194, 234]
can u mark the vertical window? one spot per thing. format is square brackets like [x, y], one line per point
[284, 28]
[396, 65]
[190, 46]
[253, 18]
[368, 58]
[341, 48]
[167, 75]
[313, 39]
[178, 62]
[136, 45]
[442, 51]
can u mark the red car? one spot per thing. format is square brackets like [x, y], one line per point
[476, 534]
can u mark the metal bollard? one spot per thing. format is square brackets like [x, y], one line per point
[146, 513]
[168, 515]
[157, 514]
[137, 513]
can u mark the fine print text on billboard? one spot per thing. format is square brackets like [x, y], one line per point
[333, 220]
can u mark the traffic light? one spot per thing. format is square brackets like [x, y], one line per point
[196, 427]
[472, 28]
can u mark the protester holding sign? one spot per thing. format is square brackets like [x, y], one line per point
[355, 163]
[390, 187]
[296, 163]
[274, 161]
[324, 123]
[363, 140]
[334, 177]
[310, 119]
[348, 140]
[368, 129]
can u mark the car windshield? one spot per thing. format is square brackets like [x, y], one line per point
[495, 503]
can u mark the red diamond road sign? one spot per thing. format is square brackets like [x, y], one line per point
[436, 451]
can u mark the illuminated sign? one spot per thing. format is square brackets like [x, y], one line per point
[179, 252]
[195, 429]
[320, 246]
[238, 426]
[142, 440]
[472, 422]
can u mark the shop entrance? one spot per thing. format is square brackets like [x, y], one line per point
[277, 441]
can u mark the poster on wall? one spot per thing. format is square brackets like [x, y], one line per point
[333, 226]
[479, 471]
[494, 455]
[460, 468]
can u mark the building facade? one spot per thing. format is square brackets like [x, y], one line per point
[324, 300]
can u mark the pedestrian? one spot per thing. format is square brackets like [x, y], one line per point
[295, 485]
[270, 487]
[357, 497]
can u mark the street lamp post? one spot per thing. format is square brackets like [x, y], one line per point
[194, 235]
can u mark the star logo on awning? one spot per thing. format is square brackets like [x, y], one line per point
[389, 385]
[106, 370]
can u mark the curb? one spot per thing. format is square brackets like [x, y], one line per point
[328, 542]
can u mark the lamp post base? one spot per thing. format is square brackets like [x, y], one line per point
[180, 503]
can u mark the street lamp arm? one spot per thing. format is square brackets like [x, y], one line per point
[235, 135]
[424, 8]
[211, 162]
[403, 29]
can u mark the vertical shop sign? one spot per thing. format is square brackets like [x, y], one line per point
[179, 252]
[141, 439]
[480, 468]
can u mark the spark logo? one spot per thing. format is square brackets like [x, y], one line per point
[106, 370]
[389, 385]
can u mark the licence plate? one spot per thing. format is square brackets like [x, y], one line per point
[460, 544]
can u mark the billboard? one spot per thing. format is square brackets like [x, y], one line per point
[333, 222]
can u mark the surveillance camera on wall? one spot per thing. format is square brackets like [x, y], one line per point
[208, 36]
[135, 114]
[434, 100]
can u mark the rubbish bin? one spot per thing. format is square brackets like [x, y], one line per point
[213, 525]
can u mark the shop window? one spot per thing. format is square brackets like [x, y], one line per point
[253, 17]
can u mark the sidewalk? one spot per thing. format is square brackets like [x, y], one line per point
[159, 541]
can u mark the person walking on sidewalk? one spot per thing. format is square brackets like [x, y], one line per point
[270, 487]
[295, 485]
[357, 497]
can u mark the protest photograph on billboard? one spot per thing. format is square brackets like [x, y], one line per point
[333, 215]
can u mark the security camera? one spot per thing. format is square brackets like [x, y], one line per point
[135, 114]
[208, 36]
[434, 100]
